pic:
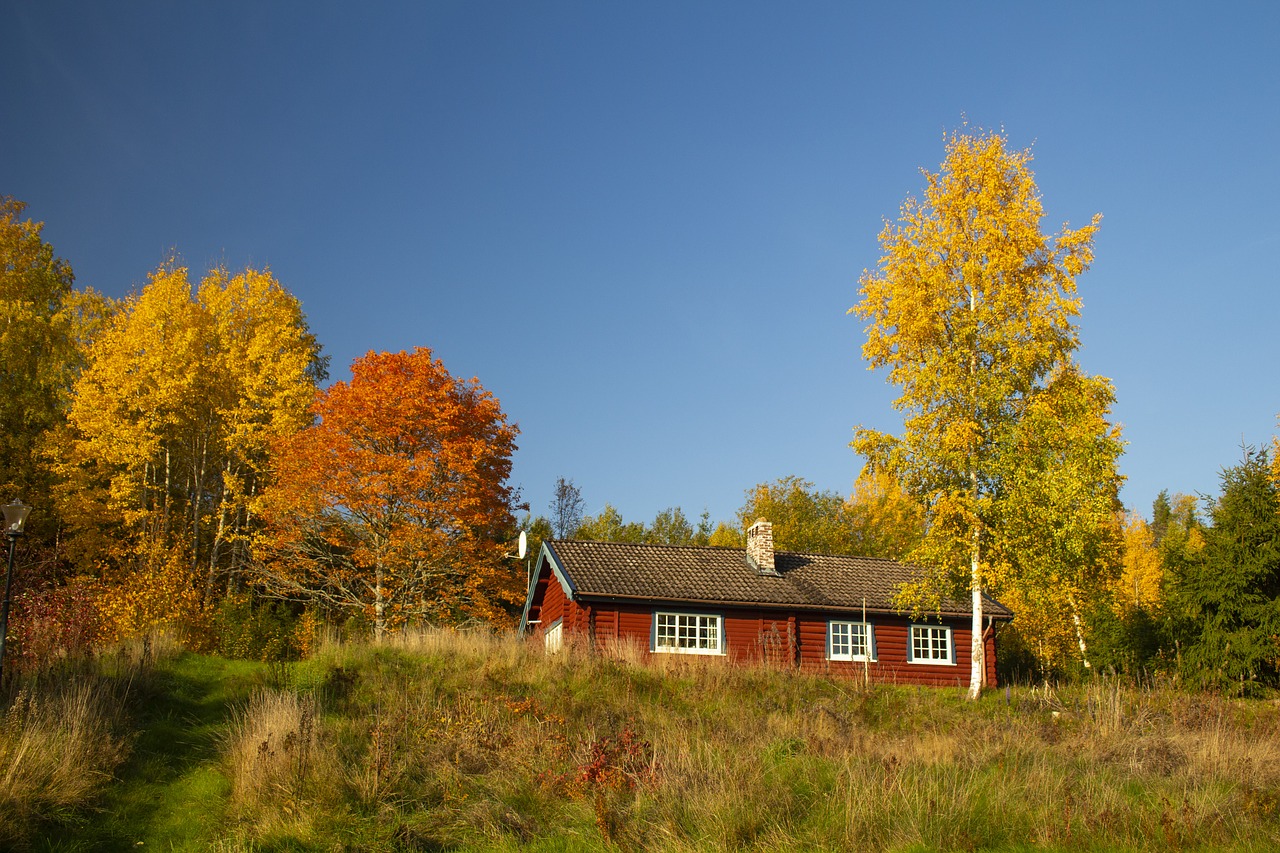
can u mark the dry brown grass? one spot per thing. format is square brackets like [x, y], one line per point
[272, 743]
[477, 740]
[60, 742]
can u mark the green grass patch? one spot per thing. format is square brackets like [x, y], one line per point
[172, 792]
[455, 741]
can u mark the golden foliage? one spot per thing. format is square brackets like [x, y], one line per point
[1141, 580]
[886, 521]
[878, 519]
[1006, 445]
[42, 322]
[169, 430]
[804, 517]
[152, 593]
[725, 536]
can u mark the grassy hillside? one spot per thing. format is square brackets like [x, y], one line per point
[445, 741]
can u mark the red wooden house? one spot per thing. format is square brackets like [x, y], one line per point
[815, 611]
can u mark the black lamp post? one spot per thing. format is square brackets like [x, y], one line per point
[15, 518]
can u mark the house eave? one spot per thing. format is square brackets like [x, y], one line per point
[545, 553]
[615, 598]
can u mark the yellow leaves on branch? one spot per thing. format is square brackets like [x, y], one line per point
[1141, 581]
[173, 416]
[265, 354]
[159, 590]
[968, 283]
[887, 522]
[1006, 446]
[41, 319]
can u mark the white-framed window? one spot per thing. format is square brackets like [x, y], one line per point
[850, 641]
[931, 644]
[553, 639]
[688, 633]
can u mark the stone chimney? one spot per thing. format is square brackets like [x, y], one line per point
[760, 548]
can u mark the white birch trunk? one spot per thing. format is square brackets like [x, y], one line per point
[216, 545]
[165, 497]
[1075, 618]
[977, 654]
[379, 606]
[197, 494]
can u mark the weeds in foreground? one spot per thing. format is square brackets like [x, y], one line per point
[272, 745]
[57, 749]
[63, 733]
[447, 740]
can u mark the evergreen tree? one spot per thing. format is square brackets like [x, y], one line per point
[1228, 592]
[1161, 512]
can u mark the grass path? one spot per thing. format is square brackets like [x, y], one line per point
[172, 793]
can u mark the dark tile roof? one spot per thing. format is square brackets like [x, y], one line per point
[678, 573]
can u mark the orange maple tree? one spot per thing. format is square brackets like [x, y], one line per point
[394, 503]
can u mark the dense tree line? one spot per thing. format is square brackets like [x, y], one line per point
[186, 469]
[1198, 598]
[875, 519]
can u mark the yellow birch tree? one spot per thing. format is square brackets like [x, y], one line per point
[42, 323]
[1059, 541]
[971, 309]
[139, 400]
[170, 426]
[136, 408]
[1141, 581]
[270, 364]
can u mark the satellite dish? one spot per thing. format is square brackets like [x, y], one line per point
[524, 544]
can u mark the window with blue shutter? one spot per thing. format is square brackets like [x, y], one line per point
[850, 640]
[688, 633]
[930, 644]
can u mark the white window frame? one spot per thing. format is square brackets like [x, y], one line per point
[935, 641]
[553, 638]
[846, 647]
[688, 633]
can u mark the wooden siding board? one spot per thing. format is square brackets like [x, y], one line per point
[990, 651]
[743, 630]
[620, 622]
[891, 639]
[780, 637]
[550, 605]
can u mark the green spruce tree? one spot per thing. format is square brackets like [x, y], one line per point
[1228, 592]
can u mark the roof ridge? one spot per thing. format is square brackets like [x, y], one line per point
[739, 548]
[651, 544]
[658, 571]
[842, 556]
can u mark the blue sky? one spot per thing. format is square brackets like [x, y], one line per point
[640, 225]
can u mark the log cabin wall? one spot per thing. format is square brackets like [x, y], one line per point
[783, 638]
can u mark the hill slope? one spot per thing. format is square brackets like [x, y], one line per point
[450, 741]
